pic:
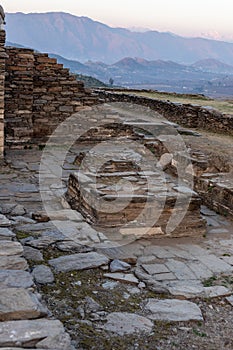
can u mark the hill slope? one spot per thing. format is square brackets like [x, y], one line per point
[81, 38]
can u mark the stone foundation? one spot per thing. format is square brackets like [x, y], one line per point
[115, 188]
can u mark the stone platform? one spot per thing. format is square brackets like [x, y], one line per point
[123, 184]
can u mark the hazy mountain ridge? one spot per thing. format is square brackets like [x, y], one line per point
[212, 65]
[161, 75]
[81, 38]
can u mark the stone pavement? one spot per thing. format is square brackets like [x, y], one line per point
[37, 249]
[177, 267]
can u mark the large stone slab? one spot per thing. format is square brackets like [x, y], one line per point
[173, 310]
[32, 254]
[80, 261]
[19, 304]
[8, 248]
[180, 269]
[6, 234]
[44, 334]
[216, 291]
[186, 289]
[4, 222]
[155, 268]
[126, 323]
[15, 279]
[41, 226]
[122, 277]
[13, 263]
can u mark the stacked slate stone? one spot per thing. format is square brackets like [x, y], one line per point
[57, 95]
[19, 96]
[2, 80]
[40, 94]
[120, 193]
[188, 115]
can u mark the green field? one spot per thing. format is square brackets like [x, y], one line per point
[224, 106]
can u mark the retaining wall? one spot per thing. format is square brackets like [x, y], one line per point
[184, 114]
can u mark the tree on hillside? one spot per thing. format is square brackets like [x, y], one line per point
[111, 81]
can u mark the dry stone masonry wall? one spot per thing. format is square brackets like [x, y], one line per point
[2, 79]
[184, 114]
[39, 94]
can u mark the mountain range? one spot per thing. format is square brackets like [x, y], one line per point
[210, 76]
[82, 39]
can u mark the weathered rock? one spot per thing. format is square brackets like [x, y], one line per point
[80, 261]
[118, 265]
[8, 248]
[41, 242]
[43, 274]
[18, 210]
[13, 263]
[122, 277]
[216, 291]
[173, 310]
[230, 300]
[186, 289]
[32, 254]
[150, 282]
[6, 234]
[73, 247]
[110, 285]
[19, 304]
[4, 222]
[7, 208]
[45, 334]
[40, 226]
[15, 279]
[91, 305]
[155, 268]
[19, 220]
[123, 323]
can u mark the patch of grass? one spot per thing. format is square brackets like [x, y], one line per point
[210, 281]
[224, 106]
[22, 235]
[199, 333]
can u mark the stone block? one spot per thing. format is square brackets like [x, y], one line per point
[44, 334]
[19, 304]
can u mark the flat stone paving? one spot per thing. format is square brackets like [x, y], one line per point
[178, 265]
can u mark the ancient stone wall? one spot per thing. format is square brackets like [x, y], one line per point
[40, 94]
[19, 96]
[184, 114]
[2, 79]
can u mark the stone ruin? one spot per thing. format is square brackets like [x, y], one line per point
[128, 179]
[37, 94]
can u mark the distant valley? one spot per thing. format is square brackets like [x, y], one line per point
[82, 39]
[209, 77]
[150, 59]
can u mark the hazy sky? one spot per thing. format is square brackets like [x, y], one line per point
[185, 17]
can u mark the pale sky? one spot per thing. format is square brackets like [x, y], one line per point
[212, 18]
